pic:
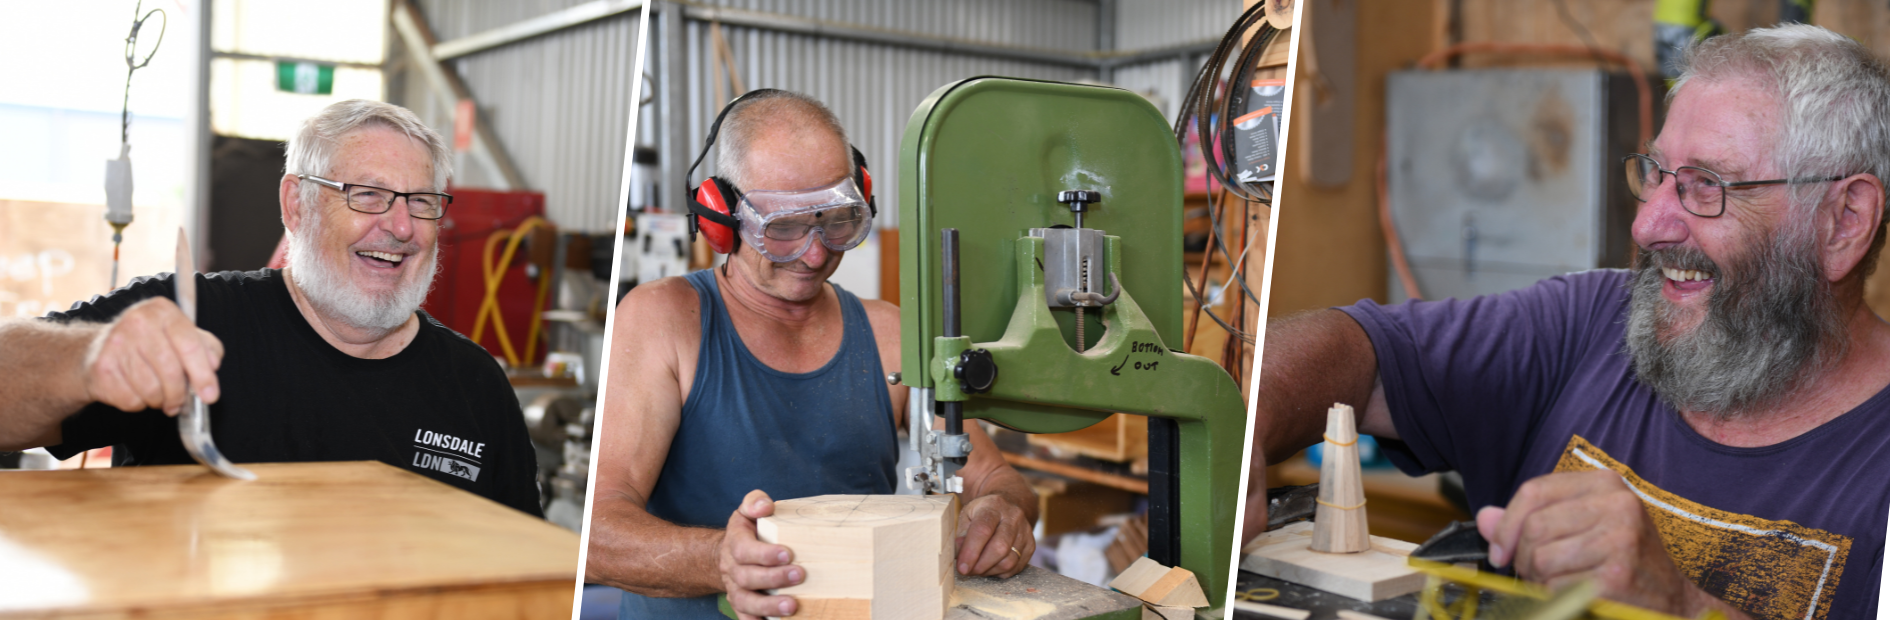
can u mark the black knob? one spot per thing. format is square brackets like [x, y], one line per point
[1079, 199]
[975, 371]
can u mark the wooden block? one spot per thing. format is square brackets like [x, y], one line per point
[1131, 544]
[1162, 612]
[1339, 523]
[868, 556]
[1272, 610]
[1148, 580]
[1375, 574]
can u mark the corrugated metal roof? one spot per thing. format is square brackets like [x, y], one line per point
[558, 103]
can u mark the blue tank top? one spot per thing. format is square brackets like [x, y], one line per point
[746, 426]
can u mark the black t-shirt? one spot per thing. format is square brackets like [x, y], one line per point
[441, 408]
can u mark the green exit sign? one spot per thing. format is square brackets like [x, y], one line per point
[307, 78]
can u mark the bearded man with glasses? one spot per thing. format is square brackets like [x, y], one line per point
[732, 387]
[1705, 431]
[329, 359]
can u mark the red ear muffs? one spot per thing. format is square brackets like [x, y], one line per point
[711, 212]
[864, 179]
[712, 204]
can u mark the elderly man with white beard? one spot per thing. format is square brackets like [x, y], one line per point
[1709, 430]
[329, 359]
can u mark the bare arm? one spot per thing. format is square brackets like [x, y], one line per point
[998, 508]
[41, 379]
[630, 548]
[143, 359]
[1311, 360]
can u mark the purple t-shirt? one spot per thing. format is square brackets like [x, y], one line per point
[1509, 387]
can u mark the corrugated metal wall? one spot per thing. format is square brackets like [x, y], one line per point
[1050, 24]
[873, 88]
[559, 103]
[1146, 24]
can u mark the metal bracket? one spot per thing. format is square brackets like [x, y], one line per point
[1073, 265]
[935, 473]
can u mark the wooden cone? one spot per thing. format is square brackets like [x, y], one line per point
[1339, 525]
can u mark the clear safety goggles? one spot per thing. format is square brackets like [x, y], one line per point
[782, 225]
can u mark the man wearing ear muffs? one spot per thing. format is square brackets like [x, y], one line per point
[759, 380]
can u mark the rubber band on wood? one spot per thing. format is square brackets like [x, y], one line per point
[1336, 442]
[1360, 504]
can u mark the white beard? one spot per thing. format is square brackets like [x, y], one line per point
[337, 297]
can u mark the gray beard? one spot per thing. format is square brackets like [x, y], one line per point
[1771, 322]
[335, 296]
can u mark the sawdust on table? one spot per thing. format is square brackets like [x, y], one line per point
[1012, 609]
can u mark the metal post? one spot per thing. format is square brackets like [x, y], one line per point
[953, 411]
[202, 139]
[1106, 11]
[672, 81]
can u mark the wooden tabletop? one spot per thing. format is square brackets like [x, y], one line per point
[351, 539]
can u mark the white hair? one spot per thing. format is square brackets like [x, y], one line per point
[312, 149]
[337, 296]
[1834, 96]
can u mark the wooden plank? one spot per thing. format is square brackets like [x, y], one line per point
[889, 265]
[1307, 272]
[1125, 483]
[1120, 438]
[1376, 574]
[1150, 581]
[309, 540]
[1624, 26]
[868, 556]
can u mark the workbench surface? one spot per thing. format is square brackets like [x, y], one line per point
[354, 539]
[1323, 605]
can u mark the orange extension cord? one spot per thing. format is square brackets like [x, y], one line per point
[495, 274]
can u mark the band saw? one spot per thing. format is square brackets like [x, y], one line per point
[1041, 285]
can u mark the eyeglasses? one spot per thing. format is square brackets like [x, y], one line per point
[374, 200]
[1702, 192]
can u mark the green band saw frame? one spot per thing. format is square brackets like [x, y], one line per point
[988, 158]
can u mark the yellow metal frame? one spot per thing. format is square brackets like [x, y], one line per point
[1474, 582]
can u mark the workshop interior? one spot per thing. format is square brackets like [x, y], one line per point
[1456, 148]
[126, 122]
[1072, 219]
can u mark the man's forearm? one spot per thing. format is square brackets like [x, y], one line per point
[1311, 360]
[636, 551]
[42, 370]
